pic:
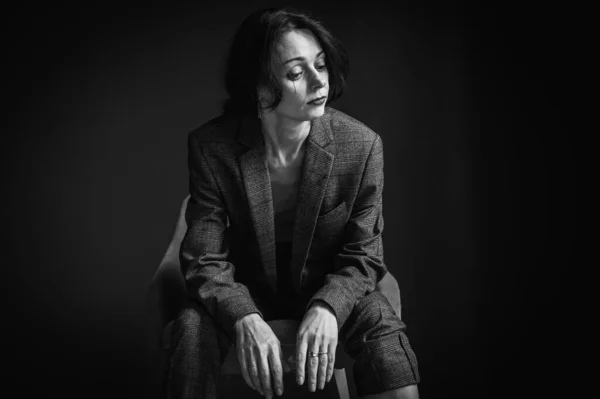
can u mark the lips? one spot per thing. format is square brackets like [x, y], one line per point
[317, 99]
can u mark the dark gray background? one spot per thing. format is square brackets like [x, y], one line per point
[478, 203]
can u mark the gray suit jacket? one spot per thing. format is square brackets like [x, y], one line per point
[228, 251]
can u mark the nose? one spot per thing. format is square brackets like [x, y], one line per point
[319, 80]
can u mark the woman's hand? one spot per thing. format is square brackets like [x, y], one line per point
[318, 333]
[259, 354]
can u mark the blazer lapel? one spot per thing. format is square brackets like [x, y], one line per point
[255, 173]
[318, 162]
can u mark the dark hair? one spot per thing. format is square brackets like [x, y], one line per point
[249, 63]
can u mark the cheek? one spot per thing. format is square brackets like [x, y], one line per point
[293, 93]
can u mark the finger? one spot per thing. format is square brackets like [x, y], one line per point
[330, 366]
[244, 367]
[312, 367]
[254, 373]
[301, 349]
[265, 377]
[276, 372]
[323, 364]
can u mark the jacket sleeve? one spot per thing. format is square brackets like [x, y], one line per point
[359, 266]
[204, 250]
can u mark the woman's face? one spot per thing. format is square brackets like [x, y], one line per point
[300, 65]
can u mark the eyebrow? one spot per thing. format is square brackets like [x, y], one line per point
[302, 58]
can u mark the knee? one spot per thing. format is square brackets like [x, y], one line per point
[372, 305]
[192, 322]
[372, 317]
[190, 318]
[369, 302]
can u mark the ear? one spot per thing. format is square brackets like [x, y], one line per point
[264, 100]
[264, 96]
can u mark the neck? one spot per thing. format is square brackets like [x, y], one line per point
[284, 139]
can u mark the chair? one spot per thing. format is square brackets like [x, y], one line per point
[167, 296]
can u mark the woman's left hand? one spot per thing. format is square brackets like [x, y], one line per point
[318, 333]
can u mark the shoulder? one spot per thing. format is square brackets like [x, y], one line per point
[349, 131]
[221, 129]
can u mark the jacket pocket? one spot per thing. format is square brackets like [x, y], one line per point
[329, 230]
[332, 215]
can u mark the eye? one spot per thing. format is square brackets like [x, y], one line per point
[321, 67]
[294, 76]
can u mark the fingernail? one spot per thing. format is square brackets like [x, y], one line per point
[300, 380]
[279, 391]
[312, 387]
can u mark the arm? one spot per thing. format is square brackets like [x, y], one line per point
[359, 266]
[204, 251]
[210, 278]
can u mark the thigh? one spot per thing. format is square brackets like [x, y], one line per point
[375, 338]
[198, 339]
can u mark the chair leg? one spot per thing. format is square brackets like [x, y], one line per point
[342, 383]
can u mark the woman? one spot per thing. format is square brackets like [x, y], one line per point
[285, 221]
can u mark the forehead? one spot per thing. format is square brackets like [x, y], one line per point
[297, 43]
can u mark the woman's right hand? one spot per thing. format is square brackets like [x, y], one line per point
[259, 354]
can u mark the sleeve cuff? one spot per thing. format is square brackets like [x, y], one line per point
[234, 309]
[338, 299]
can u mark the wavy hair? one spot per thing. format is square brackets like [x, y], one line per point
[249, 63]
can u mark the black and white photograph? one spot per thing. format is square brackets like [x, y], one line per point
[301, 199]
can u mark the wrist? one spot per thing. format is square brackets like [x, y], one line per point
[320, 304]
[245, 319]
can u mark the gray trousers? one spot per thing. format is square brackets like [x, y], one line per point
[373, 336]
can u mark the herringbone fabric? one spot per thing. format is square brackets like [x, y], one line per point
[228, 255]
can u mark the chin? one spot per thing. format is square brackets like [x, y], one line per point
[316, 112]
